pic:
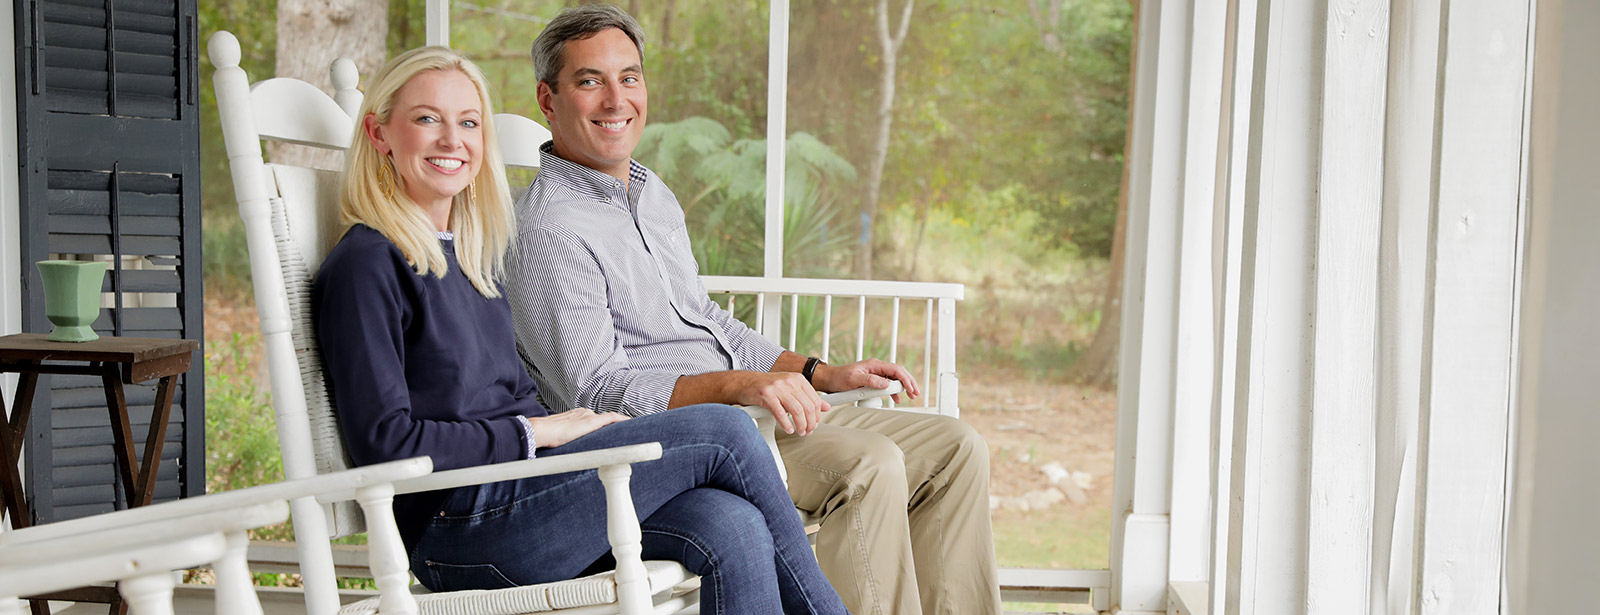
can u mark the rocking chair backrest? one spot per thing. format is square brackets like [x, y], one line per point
[291, 220]
[519, 139]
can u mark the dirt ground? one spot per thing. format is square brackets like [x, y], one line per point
[1029, 425]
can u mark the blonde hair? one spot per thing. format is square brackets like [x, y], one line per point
[482, 226]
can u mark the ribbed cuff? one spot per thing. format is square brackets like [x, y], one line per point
[527, 437]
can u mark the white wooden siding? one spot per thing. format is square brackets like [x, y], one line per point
[1268, 520]
[1344, 370]
[1469, 328]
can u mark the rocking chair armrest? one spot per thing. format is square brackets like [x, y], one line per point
[862, 394]
[764, 417]
[60, 571]
[129, 536]
[345, 481]
[511, 470]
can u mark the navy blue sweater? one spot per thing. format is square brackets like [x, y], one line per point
[418, 365]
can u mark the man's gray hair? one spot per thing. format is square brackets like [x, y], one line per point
[578, 23]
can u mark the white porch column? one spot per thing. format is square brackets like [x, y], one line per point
[10, 207]
[1228, 234]
[1344, 356]
[777, 155]
[1140, 522]
[1402, 295]
[1469, 329]
[1265, 570]
[1162, 532]
[1376, 326]
[10, 210]
[1195, 370]
[436, 16]
[1304, 396]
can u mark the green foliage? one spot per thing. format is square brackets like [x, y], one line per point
[227, 265]
[241, 436]
[242, 440]
[983, 104]
[721, 185]
[227, 258]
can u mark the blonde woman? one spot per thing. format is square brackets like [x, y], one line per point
[420, 349]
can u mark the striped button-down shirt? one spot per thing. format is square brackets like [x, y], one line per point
[606, 294]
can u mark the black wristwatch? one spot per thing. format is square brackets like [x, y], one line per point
[811, 368]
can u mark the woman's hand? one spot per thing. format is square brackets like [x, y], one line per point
[558, 429]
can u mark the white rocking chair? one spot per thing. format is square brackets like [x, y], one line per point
[141, 558]
[138, 548]
[290, 221]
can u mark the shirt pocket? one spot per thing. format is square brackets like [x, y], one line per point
[678, 236]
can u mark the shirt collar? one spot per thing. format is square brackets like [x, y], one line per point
[585, 180]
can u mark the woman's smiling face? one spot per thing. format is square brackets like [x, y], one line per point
[434, 135]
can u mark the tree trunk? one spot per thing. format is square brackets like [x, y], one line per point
[664, 41]
[890, 46]
[1049, 19]
[314, 33]
[1097, 366]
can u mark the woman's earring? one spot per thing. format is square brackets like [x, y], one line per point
[472, 191]
[385, 180]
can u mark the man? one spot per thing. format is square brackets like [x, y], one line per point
[611, 315]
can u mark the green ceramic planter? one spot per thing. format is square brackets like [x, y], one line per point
[72, 298]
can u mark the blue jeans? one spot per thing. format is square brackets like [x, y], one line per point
[713, 502]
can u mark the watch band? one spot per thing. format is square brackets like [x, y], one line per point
[811, 368]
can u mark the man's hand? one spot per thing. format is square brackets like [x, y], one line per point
[558, 429]
[869, 373]
[786, 395]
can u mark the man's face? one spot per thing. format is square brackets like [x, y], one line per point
[597, 110]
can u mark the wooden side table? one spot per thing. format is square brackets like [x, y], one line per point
[118, 361]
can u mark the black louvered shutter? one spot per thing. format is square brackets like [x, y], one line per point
[109, 130]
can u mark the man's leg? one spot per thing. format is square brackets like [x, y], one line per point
[947, 472]
[856, 481]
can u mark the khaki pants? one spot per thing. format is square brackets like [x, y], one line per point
[904, 499]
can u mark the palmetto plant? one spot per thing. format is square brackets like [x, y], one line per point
[721, 185]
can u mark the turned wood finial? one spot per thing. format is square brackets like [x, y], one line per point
[224, 50]
[345, 76]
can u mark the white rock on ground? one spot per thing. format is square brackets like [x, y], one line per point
[1074, 485]
[1043, 498]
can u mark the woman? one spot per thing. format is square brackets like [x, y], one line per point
[420, 350]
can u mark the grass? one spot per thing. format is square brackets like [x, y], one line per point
[227, 259]
[1058, 537]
